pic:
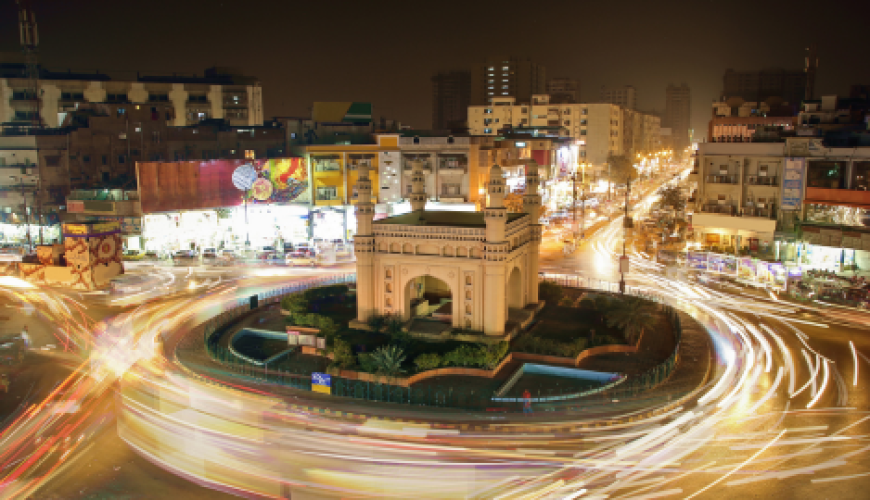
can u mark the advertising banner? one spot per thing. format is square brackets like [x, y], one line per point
[793, 183]
[697, 260]
[199, 185]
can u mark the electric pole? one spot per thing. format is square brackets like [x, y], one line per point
[626, 225]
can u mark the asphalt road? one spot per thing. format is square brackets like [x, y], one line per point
[786, 415]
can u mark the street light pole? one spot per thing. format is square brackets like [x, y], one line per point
[623, 261]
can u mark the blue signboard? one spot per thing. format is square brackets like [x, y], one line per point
[793, 183]
[321, 382]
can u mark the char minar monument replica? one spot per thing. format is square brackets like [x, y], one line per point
[464, 270]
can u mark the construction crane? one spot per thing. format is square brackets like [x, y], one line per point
[30, 48]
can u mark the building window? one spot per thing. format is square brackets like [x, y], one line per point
[389, 274]
[105, 159]
[582, 132]
[468, 280]
[327, 193]
[86, 158]
[250, 154]
[487, 131]
[122, 159]
[487, 111]
[450, 189]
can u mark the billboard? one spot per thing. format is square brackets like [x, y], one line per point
[793, 183]
[198, 185]
[288, 178]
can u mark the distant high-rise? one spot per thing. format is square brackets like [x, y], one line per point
[451, 95]
[621, 96]
[678, 112]
[564, 90]
[790, 86]
[502, 76]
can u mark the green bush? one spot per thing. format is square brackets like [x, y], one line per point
[482, 355]
[343, 356]
[428, 361]
[376, 322]
[325, 292]
[550, 292]
[550, 347]
[388, 360]
[295, 304]
[366, 362]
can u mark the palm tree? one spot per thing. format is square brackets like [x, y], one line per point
[389, 359]
[633, 316]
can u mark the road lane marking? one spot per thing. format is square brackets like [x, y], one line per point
[839, 478]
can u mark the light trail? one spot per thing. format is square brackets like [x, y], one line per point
[855, 361]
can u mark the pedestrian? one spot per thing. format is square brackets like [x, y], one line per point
[527, 401]
[25, 337]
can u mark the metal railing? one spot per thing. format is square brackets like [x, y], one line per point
[762, 180]
[712, 208]
[722, 179]
[767, 212]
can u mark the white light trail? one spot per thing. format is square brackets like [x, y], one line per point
[854, 360]
[753, 457]
[824, 384]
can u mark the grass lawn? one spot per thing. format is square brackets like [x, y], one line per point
[564, 324]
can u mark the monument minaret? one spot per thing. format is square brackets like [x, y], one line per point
[418, 187]
[364, 246]
[532, 206]
[495, 252]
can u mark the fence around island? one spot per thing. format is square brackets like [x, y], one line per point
[458, 396]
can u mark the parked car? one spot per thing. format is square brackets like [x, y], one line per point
[227, 254]
[209, 254]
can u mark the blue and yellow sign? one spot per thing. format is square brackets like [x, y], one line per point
[321, 382]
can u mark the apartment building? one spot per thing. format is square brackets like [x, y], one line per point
[624, 97]
[599, 129]
[502, 76]
[220, 93]
[564, 90]
[678, 115]
[739, 195]
[736, 120]
[451, 95]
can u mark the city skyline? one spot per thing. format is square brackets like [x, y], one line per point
[308, 66]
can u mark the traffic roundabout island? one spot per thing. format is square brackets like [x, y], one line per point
[596, 357]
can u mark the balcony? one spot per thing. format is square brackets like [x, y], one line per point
[327, 166]
[722, 179]
[762, 180]
[767, 212]
[453, 167]
[408, 166]
[453, 198]
[713, 208]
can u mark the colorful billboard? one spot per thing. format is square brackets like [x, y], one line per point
[198, 185]
[288, 178]
[697, 260]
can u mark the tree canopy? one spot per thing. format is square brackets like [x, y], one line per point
[620, 169]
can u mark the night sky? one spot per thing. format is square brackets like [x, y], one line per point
[385, 52]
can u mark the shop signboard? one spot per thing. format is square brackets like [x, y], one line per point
[746, 269]
[793, 183]
[75, 206]
[719, 263]
[697, 260]
[321, 382]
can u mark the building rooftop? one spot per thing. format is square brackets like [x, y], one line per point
[443, 219]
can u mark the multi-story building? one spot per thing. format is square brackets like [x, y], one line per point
[451, 95]
[738, 200]
[564, 90]
[625, 97]
[799, 188]
[599, 130]
[678, 114]
[502, 76]
[790, 86]
[218, 94]
[736, 120]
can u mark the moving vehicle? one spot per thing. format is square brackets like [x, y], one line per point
[209, 254]
[131, 283]
[300, 258]
[184, 257]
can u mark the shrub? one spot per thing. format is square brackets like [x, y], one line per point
[428, 361]
[325, 292]
[376, 322]
[294, 304]
[550, 292]
[491, 355]
[388, 360]
[343, 356]
[367, 363]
